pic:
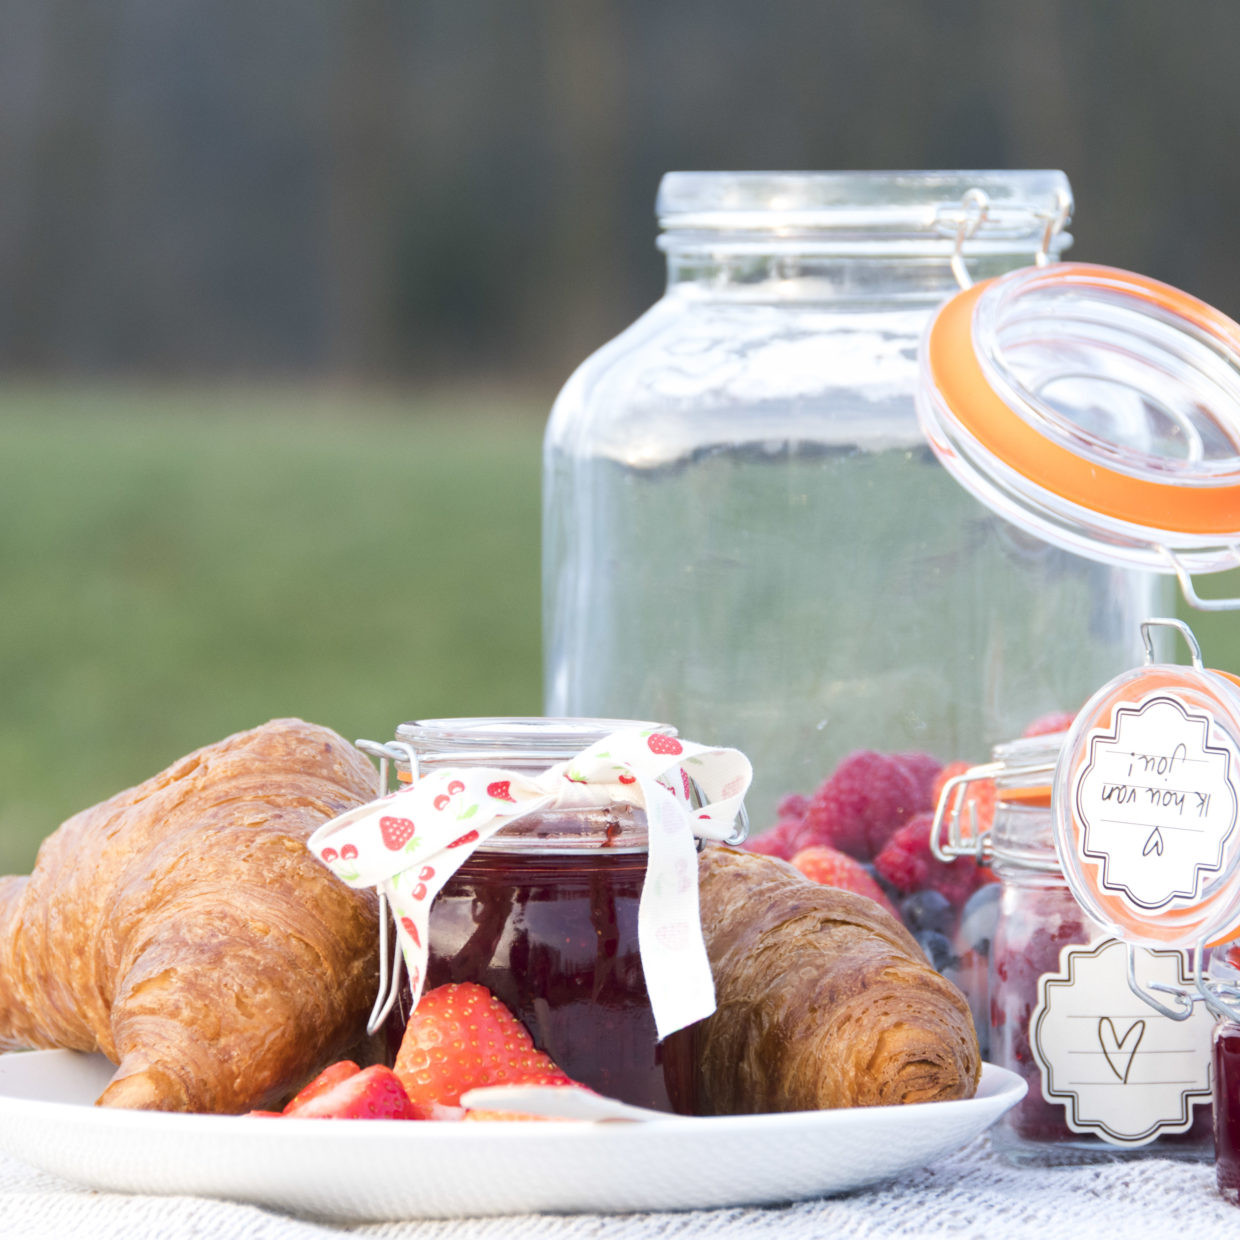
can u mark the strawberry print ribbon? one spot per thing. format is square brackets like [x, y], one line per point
[410, 842]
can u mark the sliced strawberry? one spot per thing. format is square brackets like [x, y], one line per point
[330, 1077]
[462, 1037]
[373, 1093]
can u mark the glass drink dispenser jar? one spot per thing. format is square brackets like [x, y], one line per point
[743, 520]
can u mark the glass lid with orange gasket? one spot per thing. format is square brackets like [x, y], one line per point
[1146, 802]
[1097, 409]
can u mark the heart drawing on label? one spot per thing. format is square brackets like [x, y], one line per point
[1119, 1055]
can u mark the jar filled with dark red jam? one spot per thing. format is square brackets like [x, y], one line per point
[1225, 1044]
[1227, 1108]
[544, 914]
[1109, 1078]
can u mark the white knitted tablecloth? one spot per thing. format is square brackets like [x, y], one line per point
[971, 1193]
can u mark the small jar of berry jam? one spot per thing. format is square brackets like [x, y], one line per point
[544, 913]
[1108, 1077]
[1222, 994]
[1227, 1108]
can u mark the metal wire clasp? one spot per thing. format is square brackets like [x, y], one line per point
[1056, 222]
[1185, 578]
[391, 958]
[961, 842]
[1222, 998]
[974, 208]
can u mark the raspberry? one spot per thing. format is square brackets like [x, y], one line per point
[1056, 721]
[833, 869]
[980, 795]
[793, 805]
[863, 802]
[908, 864]
[925, 770]
[778, 841]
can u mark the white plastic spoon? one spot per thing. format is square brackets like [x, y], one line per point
[557, 1102]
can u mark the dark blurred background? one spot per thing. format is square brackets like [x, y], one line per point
[431, 191]
[287, 289]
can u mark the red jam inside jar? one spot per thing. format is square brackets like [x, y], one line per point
[1227, 1109]
[545, 917]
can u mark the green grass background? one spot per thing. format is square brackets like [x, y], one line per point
[179, 565]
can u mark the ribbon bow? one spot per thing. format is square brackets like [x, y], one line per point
[410, 842]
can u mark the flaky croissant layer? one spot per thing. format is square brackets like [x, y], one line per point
[825, 1000]
[183, 929]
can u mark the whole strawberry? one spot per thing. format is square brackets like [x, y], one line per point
[833, 869]
[461, 1037]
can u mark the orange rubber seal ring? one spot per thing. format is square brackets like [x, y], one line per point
[1111, 904]
[958, 376]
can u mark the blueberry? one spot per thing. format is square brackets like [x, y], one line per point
[938, 949]
[979, 918]
[887, 888]
[927, 910]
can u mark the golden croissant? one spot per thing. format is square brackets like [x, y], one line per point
[183, 929]
[825, 1000]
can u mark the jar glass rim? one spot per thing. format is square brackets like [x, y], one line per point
[512, 738]
[894, 204]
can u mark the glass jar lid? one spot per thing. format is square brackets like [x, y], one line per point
[519, 742]
[1095, 408]
[1146, 808]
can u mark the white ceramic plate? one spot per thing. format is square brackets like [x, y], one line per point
[388, 1169]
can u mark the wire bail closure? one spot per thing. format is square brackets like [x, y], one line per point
[1221, 997]
[974, 210]
[1191, 597]
[391, 958]
[1056, 222]
[960, 842]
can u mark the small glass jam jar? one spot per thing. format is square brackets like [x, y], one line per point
[544, 913]
[1108, 1078]
[1225, 972]
[1147, 828]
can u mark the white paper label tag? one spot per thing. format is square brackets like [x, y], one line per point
[1122, 1071]
[1155, 802]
